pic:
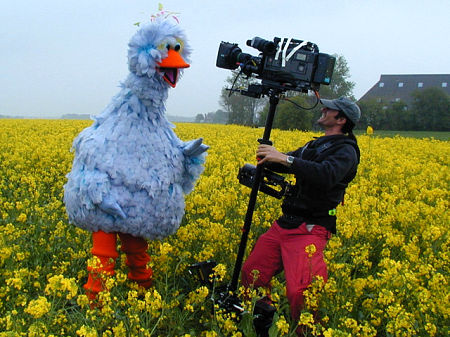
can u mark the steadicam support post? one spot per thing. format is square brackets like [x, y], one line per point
[226, 296]
[274, 98]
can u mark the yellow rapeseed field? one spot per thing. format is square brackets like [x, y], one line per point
[388, 264]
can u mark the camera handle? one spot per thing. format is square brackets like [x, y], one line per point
[274, 98]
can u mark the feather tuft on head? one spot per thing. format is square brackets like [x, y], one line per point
[164, 14]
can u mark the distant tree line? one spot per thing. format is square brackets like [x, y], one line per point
[76, 116]
[218, 117]
[429, 111]
[8, 117]
[241, 109]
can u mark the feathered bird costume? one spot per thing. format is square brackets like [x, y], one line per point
[130, 170]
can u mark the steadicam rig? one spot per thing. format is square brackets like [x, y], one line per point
[283, 65]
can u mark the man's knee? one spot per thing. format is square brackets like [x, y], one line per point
[296, 299]
[246, 275]
[295, 294]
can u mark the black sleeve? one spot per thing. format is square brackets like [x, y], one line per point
[329, 172]
[280, 168]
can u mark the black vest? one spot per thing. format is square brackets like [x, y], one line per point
[310, 204]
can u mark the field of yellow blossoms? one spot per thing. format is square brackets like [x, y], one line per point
[388, 264]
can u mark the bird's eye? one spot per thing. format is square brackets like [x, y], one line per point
[163, 46]
[179, 45]
[168, 45]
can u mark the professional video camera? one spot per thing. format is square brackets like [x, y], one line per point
[286, 64]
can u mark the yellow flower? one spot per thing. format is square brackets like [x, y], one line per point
[153, 302]
[39, 307]
[307, 319]
[86, 331]
[431, 329]
[219, 272]
[58, 285]
[121, 277]
[385, 297]
[15, 282]
[196, 297]
[119, 330]
[351, 324]
[82, 300]
[22, 217]
[310, 249]
[282, 325]
[335, 333]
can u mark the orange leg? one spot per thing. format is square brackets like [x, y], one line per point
[104, 248]
[137, 259]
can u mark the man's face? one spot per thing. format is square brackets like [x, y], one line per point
[328, 120]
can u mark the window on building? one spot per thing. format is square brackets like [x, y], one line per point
[400, 84]
[397, 99]
[378, 100]
[420, 85]
[381, 85]
[444, 84]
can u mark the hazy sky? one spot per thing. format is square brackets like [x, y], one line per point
[61, 57]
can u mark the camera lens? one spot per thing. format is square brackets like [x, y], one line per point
[228, 54]
[264, 46]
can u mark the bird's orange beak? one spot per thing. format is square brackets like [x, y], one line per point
[171, 65]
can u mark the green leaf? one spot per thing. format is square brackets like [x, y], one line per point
[246, 324]
[273, 331]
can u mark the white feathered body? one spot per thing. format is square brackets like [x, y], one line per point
[132, 158]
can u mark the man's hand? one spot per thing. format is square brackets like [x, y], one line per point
[268, 153]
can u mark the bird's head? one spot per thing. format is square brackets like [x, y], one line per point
[159, 49]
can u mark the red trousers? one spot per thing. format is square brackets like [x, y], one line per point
[104, 248]
[285, 249]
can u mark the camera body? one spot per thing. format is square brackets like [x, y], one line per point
[286, 64]
[272, 183]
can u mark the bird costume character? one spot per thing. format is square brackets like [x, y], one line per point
[131, 172]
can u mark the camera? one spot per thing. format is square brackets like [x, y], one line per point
[272, 183]
[286, 64]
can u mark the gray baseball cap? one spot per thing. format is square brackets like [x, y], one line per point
[348, 107]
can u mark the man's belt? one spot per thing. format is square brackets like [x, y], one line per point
[304, 214]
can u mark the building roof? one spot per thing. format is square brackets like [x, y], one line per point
[391, 88]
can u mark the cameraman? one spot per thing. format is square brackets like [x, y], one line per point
[323, 168]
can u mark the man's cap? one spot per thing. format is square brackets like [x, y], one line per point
[348, 107]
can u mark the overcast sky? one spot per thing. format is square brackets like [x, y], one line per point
[61, 57]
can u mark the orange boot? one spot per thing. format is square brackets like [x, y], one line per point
[104, 248]
[137, 258]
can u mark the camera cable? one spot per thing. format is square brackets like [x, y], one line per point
[316, 93]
